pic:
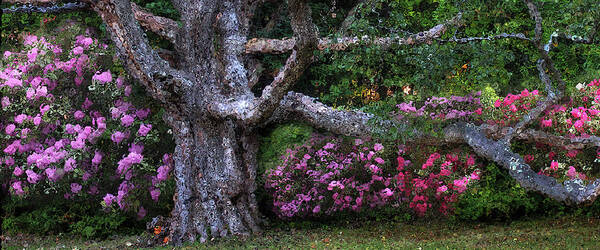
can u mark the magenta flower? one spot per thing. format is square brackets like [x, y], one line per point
[547, 123]
[155, 193]
[5, 101]
[17, 187]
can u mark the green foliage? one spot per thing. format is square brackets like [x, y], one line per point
[43, 216]
[274, 145]
[498, 197]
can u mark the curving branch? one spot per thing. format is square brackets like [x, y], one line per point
[162, 26]
[306, 36]
[570, 192]
[520, 36]
[142, 62]
[299, 107]
[279, 46]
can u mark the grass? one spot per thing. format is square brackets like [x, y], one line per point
[567, 232]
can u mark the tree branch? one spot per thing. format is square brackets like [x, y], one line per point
[489, 38]
[279, 46]
[162, 26]
[571, 192]
[305, 33]
[142, 61]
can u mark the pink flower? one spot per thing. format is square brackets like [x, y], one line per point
[525, 93]
[379, 160]
[578, 125]
[554, 165]
[470, 161]
[442, 189]
[572, 153]
[513, 108]
[571, 173]
[498, 103]
[316, 209]
[378, 147]
[547, 123]
[103, 77]
[78, 50]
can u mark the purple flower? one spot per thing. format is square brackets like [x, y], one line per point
[117, 137]
[70, 165]
[108, 199]
[32, 177]
[18, 171]
[103, 77]
[75, 187]
[163, 172]
[79, 115]
[142, 113]
[18, 188]
[97, 158]
[144, 129]
[19, 119]
[10, 129]
[5, 101]
[127, 120]
[155, 193]
[142, 213]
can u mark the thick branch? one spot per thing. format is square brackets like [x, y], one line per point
[278, 46]
[164, 27]
[305, 33]
[571, 192]
[142, 61]
[299, 107]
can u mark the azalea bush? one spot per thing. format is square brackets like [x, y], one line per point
[71, 127]
[328, 175]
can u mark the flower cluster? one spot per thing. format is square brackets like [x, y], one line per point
[64, 121]
[510, 109]
[326, 175]
[442, 108]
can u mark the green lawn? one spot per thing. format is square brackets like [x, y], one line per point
[539, 233]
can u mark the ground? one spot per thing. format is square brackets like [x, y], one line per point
[567, 232]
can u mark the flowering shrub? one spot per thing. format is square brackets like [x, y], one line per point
[442, 108]
[577, 117]
[326, 175]
[65, 120]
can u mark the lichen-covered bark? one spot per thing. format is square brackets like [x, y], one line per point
[570, 192]
[215, 169]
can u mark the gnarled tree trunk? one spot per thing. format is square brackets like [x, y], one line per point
[215, 169]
